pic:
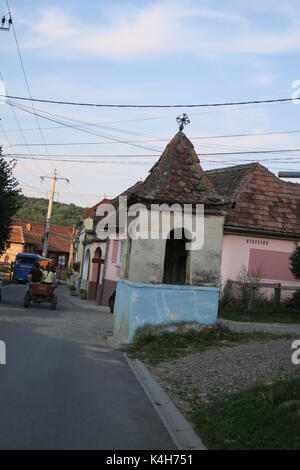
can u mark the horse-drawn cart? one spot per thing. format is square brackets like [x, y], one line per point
[39, 293]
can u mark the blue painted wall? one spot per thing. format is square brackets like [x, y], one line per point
[138, 304]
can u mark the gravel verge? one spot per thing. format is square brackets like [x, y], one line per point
[201, 377]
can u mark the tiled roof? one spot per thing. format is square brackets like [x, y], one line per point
[262, 201]
[16, 234]
[230, 180]
[91, 212]
[59, 239]
[128, 192]
[177, 177]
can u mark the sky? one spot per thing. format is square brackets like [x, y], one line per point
[145, 52]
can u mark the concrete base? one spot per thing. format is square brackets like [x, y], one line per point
[138, 305]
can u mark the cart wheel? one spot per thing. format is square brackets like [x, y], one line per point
[53, 303]
[26, 301]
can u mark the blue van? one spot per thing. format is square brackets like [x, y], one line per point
[24, 263]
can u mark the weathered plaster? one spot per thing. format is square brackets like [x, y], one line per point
[143, 260]
[139, 304]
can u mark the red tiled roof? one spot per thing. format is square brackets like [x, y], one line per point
[262, 201]
[91, 212]
[16, 234]
[59, 239]
[128, 192]
[177, 177]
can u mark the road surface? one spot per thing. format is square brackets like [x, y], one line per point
[63, 388]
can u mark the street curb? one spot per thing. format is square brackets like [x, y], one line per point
[178, 427]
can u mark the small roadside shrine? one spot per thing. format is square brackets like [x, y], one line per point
[170, 269]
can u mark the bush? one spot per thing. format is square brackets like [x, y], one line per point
[294, 301]
[295, 262]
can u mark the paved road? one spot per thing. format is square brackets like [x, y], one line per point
[63, 388]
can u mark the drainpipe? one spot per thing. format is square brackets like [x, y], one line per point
[99, 302]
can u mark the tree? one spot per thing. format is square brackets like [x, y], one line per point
[294, 301]
[295, 262]
[10, 200]
[36, 209]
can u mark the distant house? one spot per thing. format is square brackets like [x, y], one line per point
[99, 259]
[262, 227]
[14, 245]
[27, 236]
[89, 254]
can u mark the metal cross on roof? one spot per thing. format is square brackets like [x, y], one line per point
[183, 121]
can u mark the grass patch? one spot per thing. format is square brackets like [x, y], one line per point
[153, 346]
[252, 419]
[263, 311]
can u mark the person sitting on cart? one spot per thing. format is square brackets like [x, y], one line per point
[54, 274]
[35, 274]
[48, 277]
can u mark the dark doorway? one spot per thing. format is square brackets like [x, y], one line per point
[175, 258]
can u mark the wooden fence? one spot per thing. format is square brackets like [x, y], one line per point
[254, 288]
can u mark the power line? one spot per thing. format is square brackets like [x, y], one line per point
[169, 116]
[243, 152]
[25, 78]
[79, 128]
[200, 105]
[19, 128]
[222, 136]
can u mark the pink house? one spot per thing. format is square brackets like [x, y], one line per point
[100, 259]
[261, 229]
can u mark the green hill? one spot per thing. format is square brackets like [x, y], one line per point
[36, 209]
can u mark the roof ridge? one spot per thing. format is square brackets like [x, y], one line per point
[227, 168]
[177, 177]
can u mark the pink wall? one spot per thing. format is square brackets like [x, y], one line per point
[257, 253]
[112, 268]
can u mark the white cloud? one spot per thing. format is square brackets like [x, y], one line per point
[163, 28]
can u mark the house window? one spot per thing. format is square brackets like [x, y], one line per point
[175, 258]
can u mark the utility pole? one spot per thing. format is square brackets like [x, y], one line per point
[50, 207]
